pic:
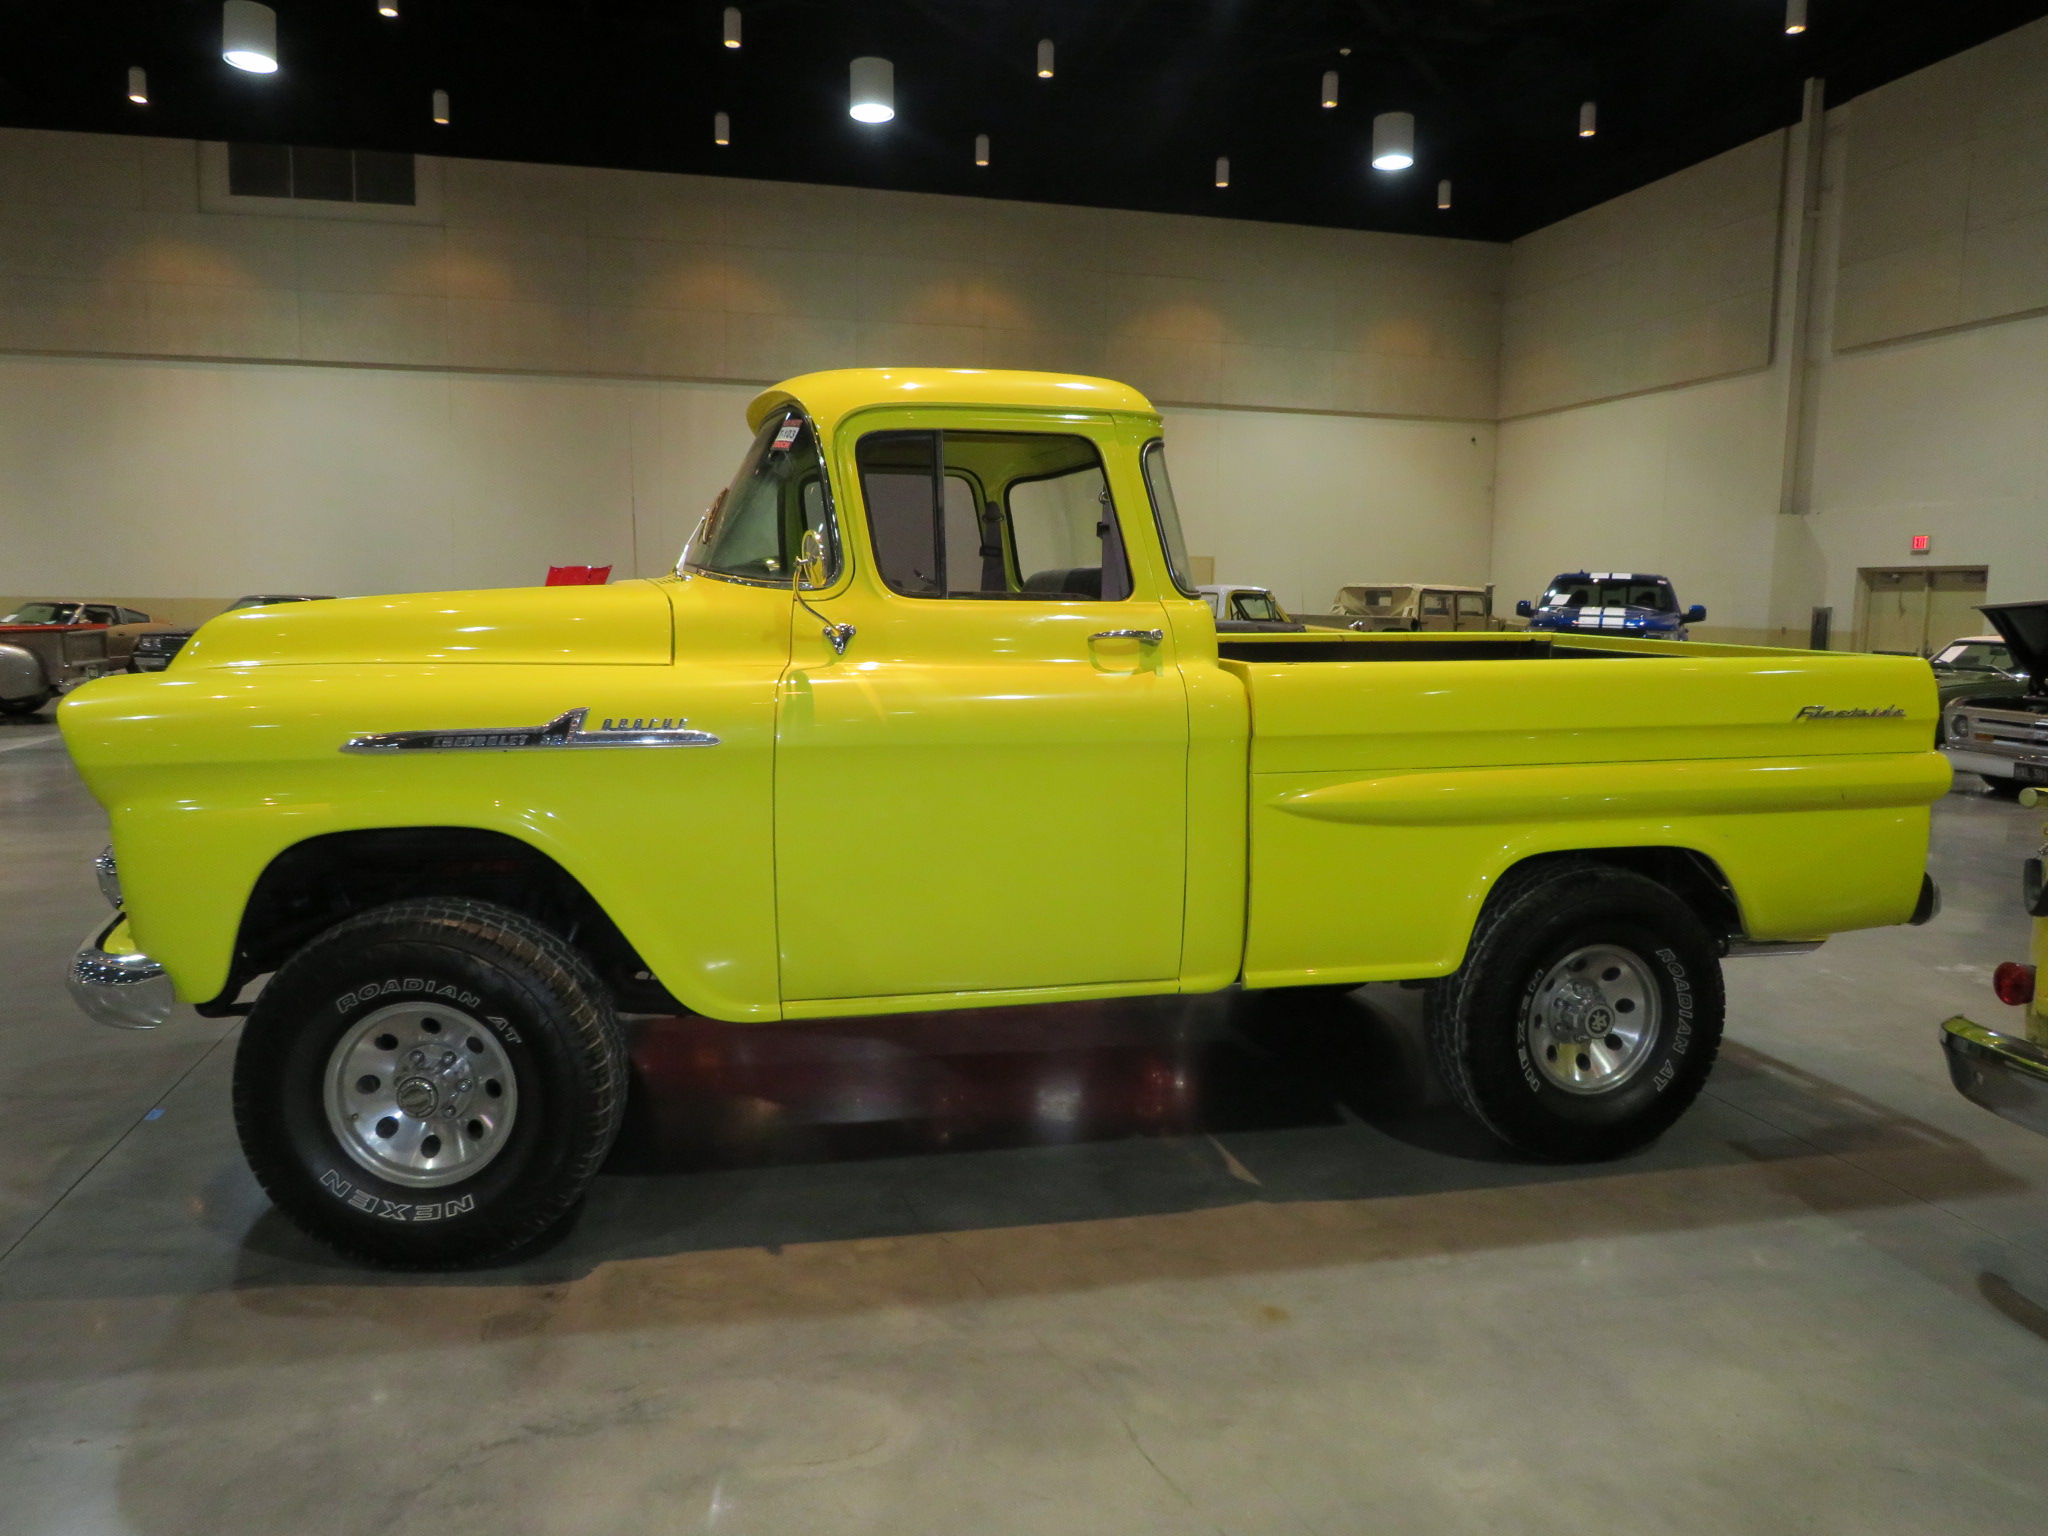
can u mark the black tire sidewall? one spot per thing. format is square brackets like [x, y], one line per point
[1546, 923]
[280, 1075]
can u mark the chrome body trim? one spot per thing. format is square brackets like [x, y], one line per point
[565, 730]
[1748, 949]
[1999, 765]
[128, 991]
[108, 874]
[2002, 1073]
[1142, 636]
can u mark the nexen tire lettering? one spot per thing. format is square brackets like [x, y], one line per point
[373, 1204]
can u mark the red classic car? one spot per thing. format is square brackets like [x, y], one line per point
[50, 648]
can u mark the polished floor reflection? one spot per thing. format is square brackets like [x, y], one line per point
[1230, 1264]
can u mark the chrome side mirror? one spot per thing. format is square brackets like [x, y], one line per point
[812, 572]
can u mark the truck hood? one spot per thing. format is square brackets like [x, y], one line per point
[2024, 629]
[623, 625]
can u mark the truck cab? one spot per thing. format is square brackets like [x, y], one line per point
[930, 715]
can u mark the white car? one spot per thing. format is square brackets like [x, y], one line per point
[1239, 607]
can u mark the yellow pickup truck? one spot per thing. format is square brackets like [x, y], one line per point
[930, 716]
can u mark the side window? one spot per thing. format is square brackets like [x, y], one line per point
[1471, 605]
[97, 615]
[1166, 515]
[992, 515]
[130, 616]
[754, 530]
[1435, 605]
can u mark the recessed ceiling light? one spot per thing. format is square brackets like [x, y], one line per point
[1393, 141]
[721, 128]
[1443, 194]
[1795, 17]
[138, 86]
[1045, 58]
[1589, 119]
[981, 149]
[1223, 170]
[388, 9]
[872, 98]
[248, 36]
[441, 108]
[732, 26]
[1329, 87]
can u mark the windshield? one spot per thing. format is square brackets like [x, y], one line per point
[1258, 606]
[1977, 656]
[754, 527]
[1654, 595]
[43, 613]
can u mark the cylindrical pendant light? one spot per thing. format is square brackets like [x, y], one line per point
[1045, 58]
[1329, 87]
[872, 98]
[1443, 194]
[1589, 119]
[1393, 141]
[138, 85]
[248, 36]
[732, 26]
[1795, 17]
[721, 128]
[981, 149]
[388, 9]
[441, 108]
[1223, 170]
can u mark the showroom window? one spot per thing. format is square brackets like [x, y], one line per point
[324, 175]
[992, 515]
[756, 527]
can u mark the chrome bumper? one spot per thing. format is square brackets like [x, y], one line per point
[1999, 765]
[127, 991]
[2005, 1074]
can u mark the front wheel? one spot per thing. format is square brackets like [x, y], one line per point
[430, 1084]
[29, 705]
[1586, 1016]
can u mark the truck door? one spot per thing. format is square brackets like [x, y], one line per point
[987, 791]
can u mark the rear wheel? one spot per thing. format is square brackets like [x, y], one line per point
[2004, 788]
[430, 1084]
[1586, 1016]
[27, 706]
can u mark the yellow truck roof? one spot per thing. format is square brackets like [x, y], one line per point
[838, 392]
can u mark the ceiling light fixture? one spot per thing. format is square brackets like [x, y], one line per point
[981, 149]
[732, 26]
[1045, 58]
[1393, 141]
[1223, 170]
[1589, 122]
[441, 108]
[1443, 195]
[1795, 17]
[138, 85]
[721, 128]
[388, 9]
[248, 36]
[1329, 87]
[872, 98]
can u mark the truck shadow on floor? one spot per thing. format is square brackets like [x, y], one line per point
[771, 1138]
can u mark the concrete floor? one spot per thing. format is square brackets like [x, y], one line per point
[1203, 1267]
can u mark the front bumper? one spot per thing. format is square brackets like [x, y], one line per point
[2005, 1074]
[115, 985]
[2025, 767]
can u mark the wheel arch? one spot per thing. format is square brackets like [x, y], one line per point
[309, 886]
[1694, 877]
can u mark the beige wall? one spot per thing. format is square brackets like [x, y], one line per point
[1667, 285]
[201, 395]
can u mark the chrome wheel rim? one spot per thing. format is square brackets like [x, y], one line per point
[419, 1094]
[1594, 1019]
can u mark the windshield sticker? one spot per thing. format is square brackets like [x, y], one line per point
[787, 433]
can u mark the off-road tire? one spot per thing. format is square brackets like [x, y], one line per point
[550, 1019]
[1533, 920]
[27, 706]
[2002, 787]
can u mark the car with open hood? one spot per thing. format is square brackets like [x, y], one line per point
[1999, 731]
[1612, 603]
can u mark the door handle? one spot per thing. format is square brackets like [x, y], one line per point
[1142, 636]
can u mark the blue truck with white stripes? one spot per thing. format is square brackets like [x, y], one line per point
[1614, 603]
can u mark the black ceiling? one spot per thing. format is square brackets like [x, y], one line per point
[1146, 95]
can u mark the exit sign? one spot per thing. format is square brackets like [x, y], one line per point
[1922, 542]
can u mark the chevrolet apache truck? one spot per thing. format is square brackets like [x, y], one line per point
[931, 716]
